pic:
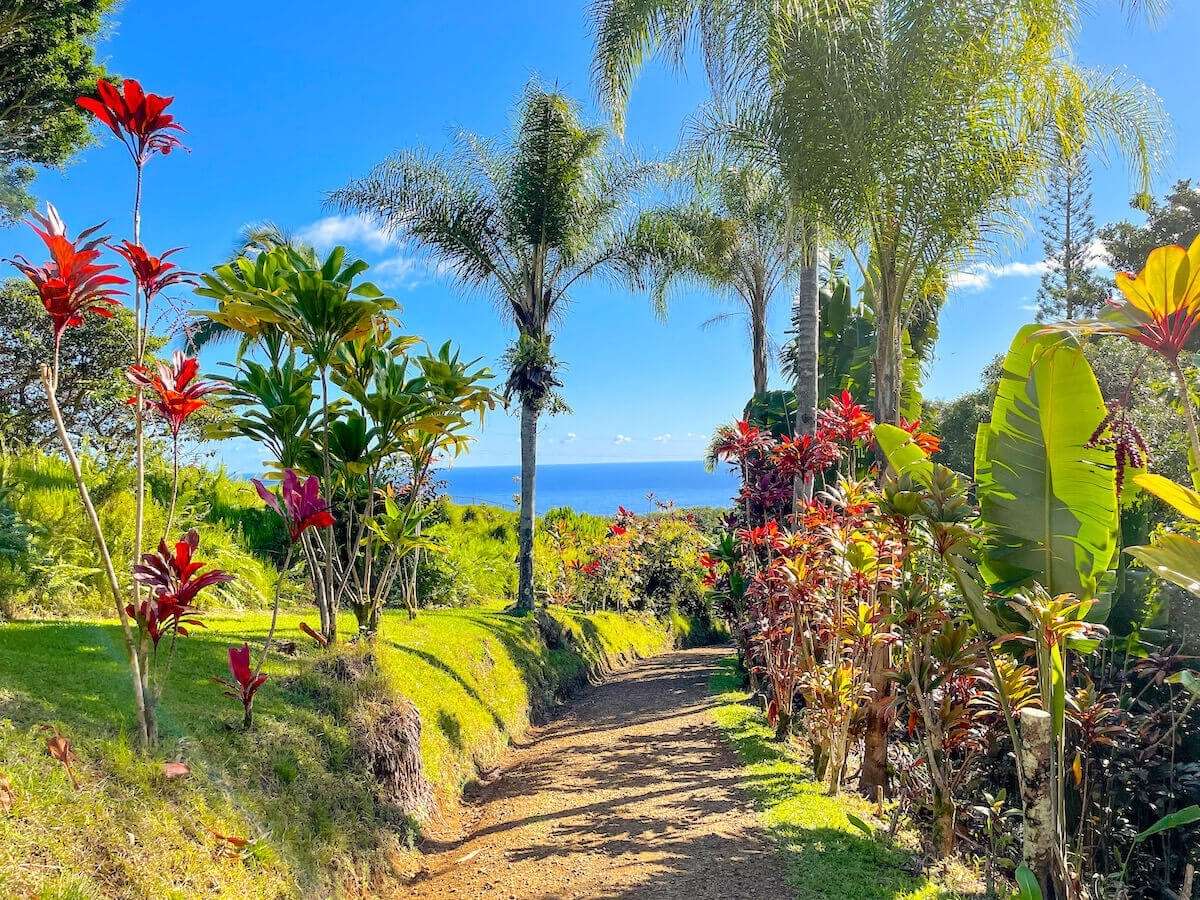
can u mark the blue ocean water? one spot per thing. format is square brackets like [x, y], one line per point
[595, 487]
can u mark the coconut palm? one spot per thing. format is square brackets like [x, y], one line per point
[523, 222]
[736, 39]
[738, 233]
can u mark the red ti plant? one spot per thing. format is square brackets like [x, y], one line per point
[72, 284]
[140, 120]
[176, 396]
[153, 274]
[245, 682]
[174, 578]
[300, 505]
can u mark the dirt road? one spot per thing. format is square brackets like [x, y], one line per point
[633, 794]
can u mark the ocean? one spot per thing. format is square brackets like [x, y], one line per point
[595, 487]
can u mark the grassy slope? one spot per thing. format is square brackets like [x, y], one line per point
[291, 784]
[828, 858]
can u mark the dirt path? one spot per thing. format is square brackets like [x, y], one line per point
[632, 795]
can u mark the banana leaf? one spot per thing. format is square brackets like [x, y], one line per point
[1048, 503]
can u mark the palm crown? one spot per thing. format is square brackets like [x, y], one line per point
[523, 222]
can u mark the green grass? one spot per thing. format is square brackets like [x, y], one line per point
[293, 784]
[828, 858]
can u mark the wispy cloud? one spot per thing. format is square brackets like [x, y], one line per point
[331, 230]
[405, 272]
[569, 437]
[622, 439]
[662, 438]
[979, 276]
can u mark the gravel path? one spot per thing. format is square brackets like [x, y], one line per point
[633, 794]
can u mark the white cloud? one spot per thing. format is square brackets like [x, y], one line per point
[398, 272]
[325, 233]
[970, 281]
[622, 439]
[1097, 256]
[570, 437]
[979, 276]
[662, 438]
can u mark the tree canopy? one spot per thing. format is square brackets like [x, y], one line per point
[46, 61]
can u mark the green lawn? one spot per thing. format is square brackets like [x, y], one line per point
[292, 784]
[828, 858]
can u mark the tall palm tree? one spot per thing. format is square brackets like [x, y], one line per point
[524, 222]
[735, 37]
[739, 234]
[927, 124]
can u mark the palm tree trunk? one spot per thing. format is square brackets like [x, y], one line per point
[806, 317]
[758, 347]
[887, 363]
[529, 417]
[874, 775]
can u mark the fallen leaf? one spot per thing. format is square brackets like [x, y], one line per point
[176, 769]
[58, 746]
[6, 794]
[316, 636]
[231, 839]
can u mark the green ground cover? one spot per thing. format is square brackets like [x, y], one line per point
[294, 786]
[827, 856]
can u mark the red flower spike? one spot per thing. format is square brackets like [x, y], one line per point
[153, 273]
[138, 119]
[302, 507]
[71, 284]
[177, 396]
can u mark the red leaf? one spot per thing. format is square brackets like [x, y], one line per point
[176, 769]
[231, 839]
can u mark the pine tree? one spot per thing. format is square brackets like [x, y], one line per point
[1070, 287]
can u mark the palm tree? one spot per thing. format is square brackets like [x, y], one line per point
[927, 124]
[524, 222]
[735, 37]
[739, 234]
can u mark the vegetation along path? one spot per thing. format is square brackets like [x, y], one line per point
[633, 794]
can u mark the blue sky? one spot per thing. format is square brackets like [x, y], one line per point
[282, 107]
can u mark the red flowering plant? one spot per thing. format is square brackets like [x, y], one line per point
[75, 284]
[174, 578]
[928, 442]
[300, 505]
[72, 284]
[244, 682]
[176, 395]
[815, 578]
[139, 119]
[850, 425]
[153, 274]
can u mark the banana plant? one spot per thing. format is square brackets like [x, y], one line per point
[1046, 532]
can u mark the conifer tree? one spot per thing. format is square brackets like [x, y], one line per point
[1070, 288]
